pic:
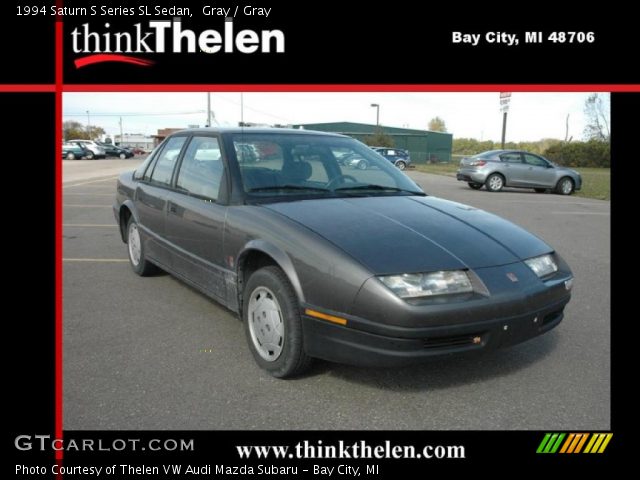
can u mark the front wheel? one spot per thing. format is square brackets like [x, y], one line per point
[495, 182]
[401, 165]
[565, 186]
[362, 165]
[135, 249]
[71, 156]
[273, 325]
[475, 186]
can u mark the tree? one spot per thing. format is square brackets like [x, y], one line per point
[72, 130]
[379, 139]
[436, 124]
[596, 111]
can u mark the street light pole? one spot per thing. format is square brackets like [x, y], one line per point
[88, 125]
[377, 113]
[208, 109]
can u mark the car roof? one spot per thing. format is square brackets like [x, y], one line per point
[259, 130]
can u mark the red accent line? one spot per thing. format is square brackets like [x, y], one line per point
[108, 57]
[58, 229]
[533, 87]
[10, 87]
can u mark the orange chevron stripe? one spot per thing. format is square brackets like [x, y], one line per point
[582, 442]
[575, 442]
[567, 443]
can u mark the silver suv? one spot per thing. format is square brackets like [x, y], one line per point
[496, 169]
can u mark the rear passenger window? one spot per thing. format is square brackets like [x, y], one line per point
[163, 169]
[201, 169]
[511, 158]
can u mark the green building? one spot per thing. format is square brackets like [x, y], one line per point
[423, 145]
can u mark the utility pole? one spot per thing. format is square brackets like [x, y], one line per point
[88, 124]
[504, 128]
[121, 137]
[505, 99]
[377, 113]
[208, 109]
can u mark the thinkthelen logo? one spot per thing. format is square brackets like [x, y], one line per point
[167, 36]
[574, 443]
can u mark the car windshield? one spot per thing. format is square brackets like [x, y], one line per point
[279, 166]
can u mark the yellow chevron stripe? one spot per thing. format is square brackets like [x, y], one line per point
[591, 442]
[596, 445]
[606, 442]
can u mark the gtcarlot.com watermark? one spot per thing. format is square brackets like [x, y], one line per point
[46, 443]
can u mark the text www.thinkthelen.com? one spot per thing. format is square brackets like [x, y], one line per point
[356, 450]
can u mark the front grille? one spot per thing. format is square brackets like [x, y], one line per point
[454, 341]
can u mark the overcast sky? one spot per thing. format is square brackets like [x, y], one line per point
[532, 116]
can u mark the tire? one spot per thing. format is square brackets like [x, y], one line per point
[123, 156]
[272, 323]
[362, 165]
[540, 190]
[70, 156]
[494, 182]
[475, 186]
[90, 156]
[401, 165]
[135, 251]
[565, 186]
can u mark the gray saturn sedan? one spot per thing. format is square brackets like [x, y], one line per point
[353, 266]
[496, 169]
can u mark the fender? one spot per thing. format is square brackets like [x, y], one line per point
[132, 208]
[279, 256]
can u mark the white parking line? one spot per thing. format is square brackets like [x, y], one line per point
[85, 206]
[91, 181]
[90, 194]
[111, 225]
[96, 260]
[580, 213]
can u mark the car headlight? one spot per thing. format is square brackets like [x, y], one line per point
[543, 265]
[411, 285]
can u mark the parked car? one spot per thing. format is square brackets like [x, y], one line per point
[138, 151]
[75, 151]
[96, 150]
[115, 151]
[359, 267]
[496, 169]
[399, 157]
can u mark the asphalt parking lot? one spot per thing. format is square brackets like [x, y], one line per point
[152, 353]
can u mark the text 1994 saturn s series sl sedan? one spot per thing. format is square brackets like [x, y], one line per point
[358, 267]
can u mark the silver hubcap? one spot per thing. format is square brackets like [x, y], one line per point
[266, 324]
[566, 187]
[401, 165]
[495, 183]
[133, 240]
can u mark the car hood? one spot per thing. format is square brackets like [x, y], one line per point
[414, 234]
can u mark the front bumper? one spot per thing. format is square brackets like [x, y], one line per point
[357, 347]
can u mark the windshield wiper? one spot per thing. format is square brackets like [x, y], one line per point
[288, 187]
[371, 186]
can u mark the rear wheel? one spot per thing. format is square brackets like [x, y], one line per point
[90, 156]
[122, 156]
[273, 325]
[475, 186]
[401, 165]
[494, 182]
[135, 249]
[565, 186]
[540, 190]
[362, 165]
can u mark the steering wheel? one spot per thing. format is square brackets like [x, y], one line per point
[335, 181]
